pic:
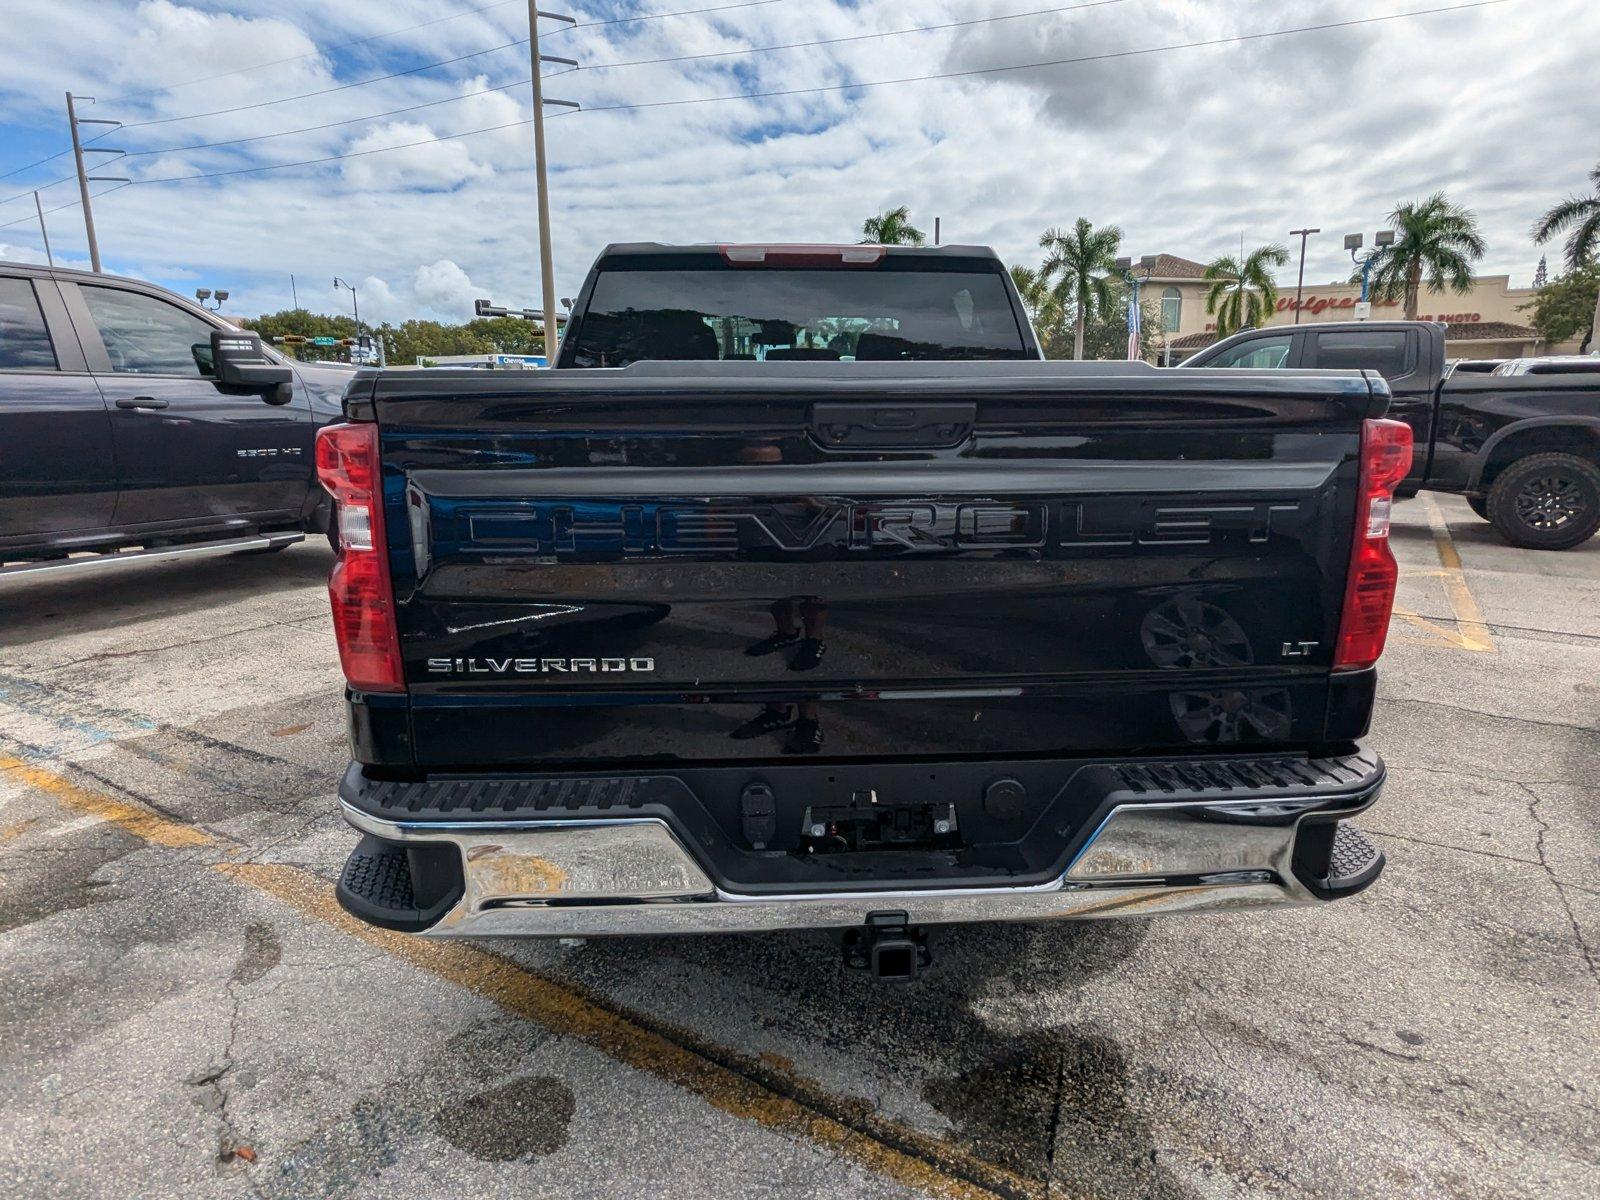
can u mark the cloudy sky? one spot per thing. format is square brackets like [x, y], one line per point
[1186, 147]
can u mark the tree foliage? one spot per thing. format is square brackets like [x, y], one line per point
[1047, 311]
[1581, 214]
[1079, 263]
[892, 228]
[407, 341]
[1564, 308]
[1105, 334]
[1244, 292]
[1435, 241]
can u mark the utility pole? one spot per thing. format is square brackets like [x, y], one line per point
[84, 179]
[293, 292]
[1300, 284]
[547, 269]
[936, 231]
[43, 232]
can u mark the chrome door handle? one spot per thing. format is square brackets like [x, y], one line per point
[141, 402]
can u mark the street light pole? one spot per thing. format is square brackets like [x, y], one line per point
[1382, 240]
[355, 304]
[1300, 284]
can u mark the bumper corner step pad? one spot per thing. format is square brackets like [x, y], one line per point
[376, 885]
[1353, 863]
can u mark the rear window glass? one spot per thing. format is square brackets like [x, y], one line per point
[796, 314]
[24, 342]
[1380, 350]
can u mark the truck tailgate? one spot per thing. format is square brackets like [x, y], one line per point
[644, 565]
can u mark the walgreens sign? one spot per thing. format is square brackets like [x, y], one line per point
[1318, 304]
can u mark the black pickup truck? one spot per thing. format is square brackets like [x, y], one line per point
[854, 630]
[1523, 449]
[133, 418]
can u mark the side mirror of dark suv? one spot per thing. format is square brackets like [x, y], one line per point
[240, 361]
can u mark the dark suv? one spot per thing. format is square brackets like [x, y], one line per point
[116, 431]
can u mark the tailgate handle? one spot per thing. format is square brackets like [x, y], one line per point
[890, 426]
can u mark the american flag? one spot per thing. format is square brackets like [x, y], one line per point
[1133, 325]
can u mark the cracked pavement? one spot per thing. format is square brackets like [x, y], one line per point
[186, 1016]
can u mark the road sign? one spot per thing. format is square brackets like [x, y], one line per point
[324, 341]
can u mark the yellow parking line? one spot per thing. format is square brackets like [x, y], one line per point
[794, 1106]
[886, 1148]
[138, 821]
[1474, 632]
[1441, 635]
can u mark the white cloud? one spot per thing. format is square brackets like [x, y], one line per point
[11, 252]
[1183, 149]
[444, 289]
[382, 304]
[431, 165]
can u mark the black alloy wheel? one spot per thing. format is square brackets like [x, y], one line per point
[1546, 501]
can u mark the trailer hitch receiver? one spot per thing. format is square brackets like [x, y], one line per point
[888, 948]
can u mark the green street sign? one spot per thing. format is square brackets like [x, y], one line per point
[324, 341]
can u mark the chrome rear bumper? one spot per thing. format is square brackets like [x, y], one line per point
[635, 875]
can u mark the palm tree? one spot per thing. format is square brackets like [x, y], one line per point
[892, 228]
[1244, 292]
[1434, 238]
[1581, 214]
[1043, 305]
[1081, 260]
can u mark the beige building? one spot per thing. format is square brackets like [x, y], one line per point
[1485, 323]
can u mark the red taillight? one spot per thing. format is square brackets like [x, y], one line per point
[1370, 586]
[359, 587]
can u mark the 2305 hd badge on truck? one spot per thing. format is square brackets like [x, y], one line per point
[935, 631]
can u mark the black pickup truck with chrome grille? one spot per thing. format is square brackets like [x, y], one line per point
[857, 616]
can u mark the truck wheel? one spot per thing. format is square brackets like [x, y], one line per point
[1546, 501]
[1479, 505]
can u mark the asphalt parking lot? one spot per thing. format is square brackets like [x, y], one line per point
[186, 1012]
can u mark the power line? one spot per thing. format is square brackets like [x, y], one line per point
[377, 79]
[317, 53]
[841, 87]
[70, 204]
[30, 191]
[682, 12]
[343, 87]
[1054, 62]
[311, 162]
[854, 37]
[469, 12]
[1038, 12]
[445, 62]
[258, 137]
